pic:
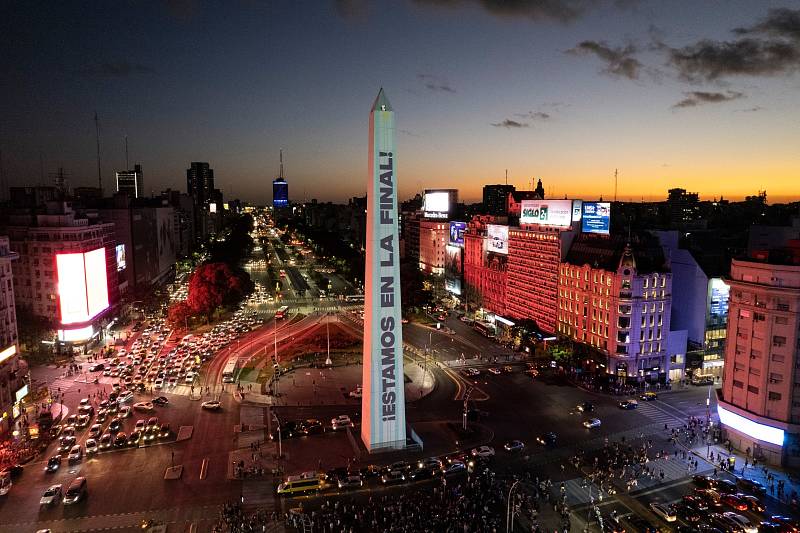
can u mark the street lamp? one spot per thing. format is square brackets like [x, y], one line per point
[509, 508]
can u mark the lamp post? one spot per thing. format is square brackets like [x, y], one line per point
[509, 508]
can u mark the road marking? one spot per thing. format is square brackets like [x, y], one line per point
[193, 527]
[204, 468]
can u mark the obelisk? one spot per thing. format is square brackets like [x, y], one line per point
[383, 405]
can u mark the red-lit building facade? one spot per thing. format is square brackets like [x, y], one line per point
[13, 371]
[618, 299]
[433, 238]
[484, 271]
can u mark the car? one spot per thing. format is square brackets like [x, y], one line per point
[496, 371]
[740, 522]
[97, 367]
[143, 406]
[125, 411]
[152, 422]
[663, 511]
[91, 446]
[160, 400]
[648, 396]
[211, 405]
[159, 383]
[514, 446]
[628, 404]
[352, 481]
[51, 495]
[431, 463]
[420, 473]
[71, 420]
[689, 513]
[733, 501]
[548, 439]
[133, 440]
[53, 464]
[724, 486]
[393, 477]
[751, 485]
[483, 451]
[124, 397]
[704, 482]
[115, 425]
[312, 426]
[67, 442]
[95, 431]
[121, 440]
[585, 407]
[164, 431]
[140, 424]
[753, 503]
[640, 525]
[696, 502]
[106, 440]
[592, 423]
[75, 492]
[788, 524]
[341, 422]
[85, 410]
[455, 467]
[75, 454]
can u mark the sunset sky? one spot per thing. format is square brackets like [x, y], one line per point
[700, 95]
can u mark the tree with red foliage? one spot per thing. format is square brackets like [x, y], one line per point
[212, 285]
[178, 314]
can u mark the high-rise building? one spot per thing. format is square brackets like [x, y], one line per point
[433, 238]
[280, 189]
[13, 371]
[200, 182]
[618, 298]
[495, 199]
[759, 407]
[484, 267]
[66, 272]
[131, 182]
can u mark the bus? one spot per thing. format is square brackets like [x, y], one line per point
[305, 482]
[485, 329]
[281, 312]
[229, 372]
[355, 298]
[702, 379]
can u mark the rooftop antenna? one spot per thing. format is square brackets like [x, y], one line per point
[127, 165]
[506, 176]
[615, 185]
[97, 134]
[280, 176]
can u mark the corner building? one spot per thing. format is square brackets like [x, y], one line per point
[759, 407]
[13, 371]
[484, 271]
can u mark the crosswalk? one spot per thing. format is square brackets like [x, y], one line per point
[657, 414]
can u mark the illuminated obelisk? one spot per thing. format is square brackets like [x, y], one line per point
[383, 404]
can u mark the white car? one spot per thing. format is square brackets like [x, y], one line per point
[75, 453]
[125, 397]
[483, 451]
[189, 377]
[51, 495]
[143, 406]
[211, 405]
[159, 384]
[592, 423]
[341, 421]
[664, 512]
[91, 446]
[740, 522]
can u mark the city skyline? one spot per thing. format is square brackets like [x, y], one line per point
[672, 96]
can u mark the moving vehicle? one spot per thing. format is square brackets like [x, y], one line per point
[229, 372]
[592, 423]
[143, 406]
[160, 400]
[454, 467]
[703, 379]
[740, 522]
[548, 439]
[341, 422]
[393, 477]
[126, 396]
[628, 404]
[5, 483]
[483, 451]
[734, 502]
[53, 464]
[350, 482]
[75, 454]
[585, 407]
[514, 446]
[648, 396]
[91, 446]
[305, 482]
[281, 312]
[51, 495]
[487, 330]
[211, 405]
[76, 491]
[664, 511]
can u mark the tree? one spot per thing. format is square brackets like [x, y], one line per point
[214, 284]
[178, 314]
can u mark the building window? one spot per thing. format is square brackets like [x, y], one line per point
[744, 313]
[738, 384]
[774, 397]
[752, 389]
[775, 378]
[778, 340]
[759, 317]
[781, 320]
[776, 358]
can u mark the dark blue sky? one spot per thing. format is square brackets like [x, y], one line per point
[562, 94]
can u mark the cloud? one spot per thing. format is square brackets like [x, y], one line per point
[749, 109]
[436, 84]
[118, 69]
[534, 115]
[557, 10]
[619, 61]
[508, 123]
[696, 98]
[769, 48]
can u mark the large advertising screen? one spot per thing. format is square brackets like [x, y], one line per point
[497, 239]
[436, 204]
[453, 269]
[547, 212]
[120, 254]
[596, 218]
[280, 193]
[577, 210]
[82, 285]
[457, 230]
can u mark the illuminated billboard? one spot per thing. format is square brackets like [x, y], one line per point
[280, 193]
[120, 254]
[577, 210]
[497, 239]
[76, 335]
[457, 233]
[82, 285]
[546, 212]
[439, 203]
[751, 428]
[596, 218]
[8, 352]
[453, 269]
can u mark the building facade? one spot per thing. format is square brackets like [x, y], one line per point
[131, 182]
[759, 407]
[495, 198]
[433, 238]
[484, 271]
[13, 371]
